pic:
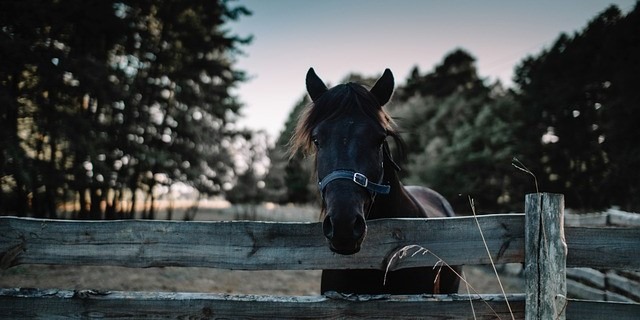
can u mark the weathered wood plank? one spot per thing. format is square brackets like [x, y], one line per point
[622, 218]
[623, 285]
[596, 219]
[598, 310]
[580, 290]
[585, 283]
[588, 276]
[616, 297]
[545, 257]
[47, 304]
[603, 248]
[254, 245]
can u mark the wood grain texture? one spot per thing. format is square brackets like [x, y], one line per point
[255, 245]
[598, 310]
[81, 304]
[603, 247]
[48, 304]
[545, 257]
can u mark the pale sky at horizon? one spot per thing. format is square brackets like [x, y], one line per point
[367, 36]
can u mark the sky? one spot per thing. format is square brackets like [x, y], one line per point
[366, 36]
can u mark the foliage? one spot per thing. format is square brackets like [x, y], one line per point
[290, 176]
[581, 93]
[460, 135]
[251, 151]
[104, 100]
[456, 74]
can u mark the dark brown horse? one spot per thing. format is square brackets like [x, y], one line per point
[346, 127]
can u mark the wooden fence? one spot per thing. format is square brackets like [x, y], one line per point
[536, 238]
[603, 284]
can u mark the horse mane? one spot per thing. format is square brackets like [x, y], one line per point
[332, 104]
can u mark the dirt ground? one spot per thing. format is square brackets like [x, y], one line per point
[174, 279]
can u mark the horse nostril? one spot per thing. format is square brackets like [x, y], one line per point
[344, 230]
[359, 227]
[327, 228]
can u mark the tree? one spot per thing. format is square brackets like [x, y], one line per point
[456, 74]
[460, 135]
[47, 50]
[290, 176]
[106, 100]
[579, 94]
[249, 149]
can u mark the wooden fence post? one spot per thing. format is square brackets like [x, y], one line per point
[545, 257]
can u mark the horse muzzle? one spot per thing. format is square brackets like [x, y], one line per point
[345, 235]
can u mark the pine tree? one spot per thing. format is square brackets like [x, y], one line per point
[579, 91]
[460, 136]
[106, 99]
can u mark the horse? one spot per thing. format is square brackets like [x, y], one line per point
[347, 129]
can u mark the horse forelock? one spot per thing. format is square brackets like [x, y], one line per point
[336, 102]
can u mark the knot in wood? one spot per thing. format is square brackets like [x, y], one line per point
[397, 234]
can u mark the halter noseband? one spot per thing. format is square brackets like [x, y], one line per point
[358, 178]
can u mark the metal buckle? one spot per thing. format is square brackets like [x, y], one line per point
[360, 179]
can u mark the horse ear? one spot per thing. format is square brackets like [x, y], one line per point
[383, 88]
[315, 85]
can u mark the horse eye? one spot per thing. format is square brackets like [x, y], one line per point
[315, 141]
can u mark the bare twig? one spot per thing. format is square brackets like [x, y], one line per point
[518, 165]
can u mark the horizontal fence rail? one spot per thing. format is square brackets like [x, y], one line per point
[610, 248]
[243, 245]
[608, 285]
[47, 304]
[54, 303]
[602, 283]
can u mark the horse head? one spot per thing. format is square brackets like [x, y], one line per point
[346, 128]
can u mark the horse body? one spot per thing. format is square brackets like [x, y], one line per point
[358, 181]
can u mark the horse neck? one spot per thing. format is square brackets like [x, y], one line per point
[398, 203]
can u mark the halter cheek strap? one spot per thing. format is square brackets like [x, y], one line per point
[358, 178]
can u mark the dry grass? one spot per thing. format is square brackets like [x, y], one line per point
[405, 252]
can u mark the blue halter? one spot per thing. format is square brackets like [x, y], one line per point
[358, 178]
